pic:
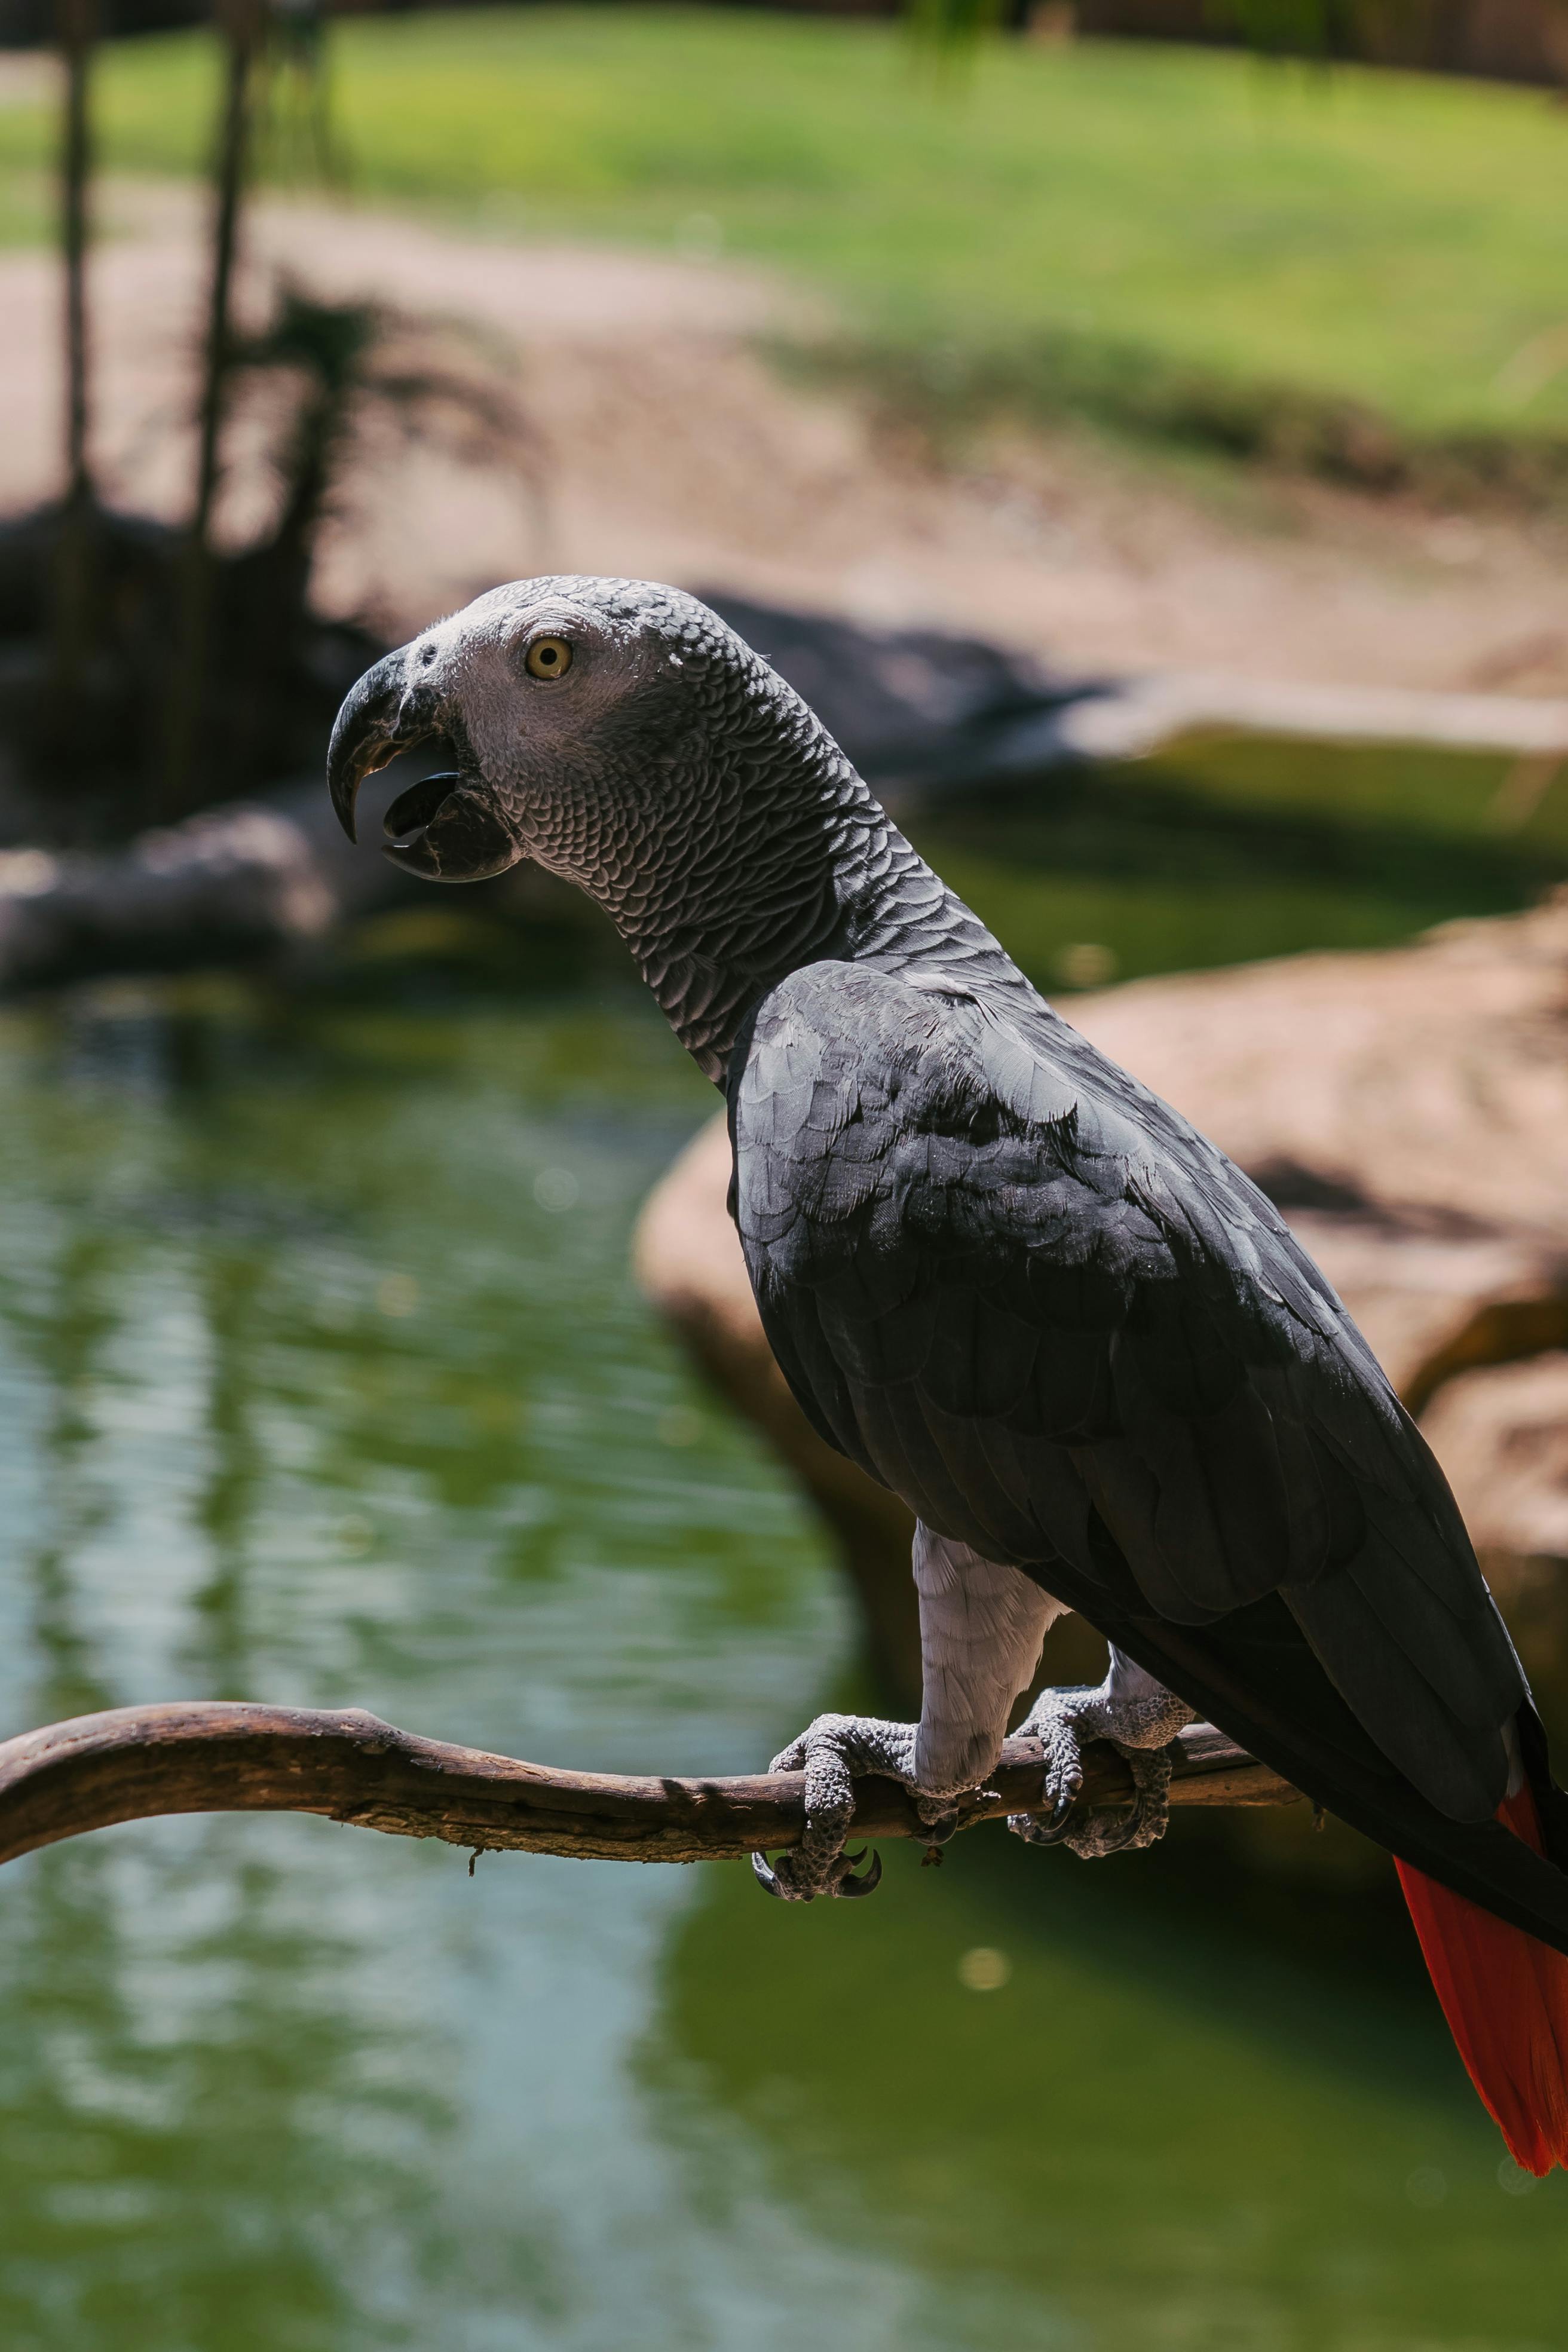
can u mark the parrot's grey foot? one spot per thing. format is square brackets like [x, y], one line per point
[1140, 1718]
[830, 1752]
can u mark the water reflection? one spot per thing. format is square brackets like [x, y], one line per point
[320, 1380]
[1158, 2128]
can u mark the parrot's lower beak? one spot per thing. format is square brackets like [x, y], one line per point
[444, 829]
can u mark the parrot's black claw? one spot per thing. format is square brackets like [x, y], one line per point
[1052, 1833]
[1036, 1832]
[937, 1827]
[1114, 1835]
[766, 1876]
[1134, 1714]
[849, 1886]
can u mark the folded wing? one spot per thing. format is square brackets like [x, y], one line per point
[1020, 1291]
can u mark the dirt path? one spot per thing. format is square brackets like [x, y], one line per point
[673, 449]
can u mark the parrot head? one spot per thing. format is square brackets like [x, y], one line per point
[623, 736]
[583, 713]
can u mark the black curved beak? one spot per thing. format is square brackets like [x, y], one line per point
[444, 829]
[375, 723]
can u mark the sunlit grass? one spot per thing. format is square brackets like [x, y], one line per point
[1400, 239]
[25, 211]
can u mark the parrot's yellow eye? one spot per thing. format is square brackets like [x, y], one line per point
[548, 657]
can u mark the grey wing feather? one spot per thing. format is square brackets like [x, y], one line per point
[1019, 1289]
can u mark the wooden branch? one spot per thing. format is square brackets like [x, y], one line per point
[207, 1755]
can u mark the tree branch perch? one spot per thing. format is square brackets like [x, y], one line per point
[209, 1755]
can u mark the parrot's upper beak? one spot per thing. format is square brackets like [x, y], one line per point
[379, 719]
[446, 828]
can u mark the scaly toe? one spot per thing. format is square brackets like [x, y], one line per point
[1143, 1824]
[1100, 1833]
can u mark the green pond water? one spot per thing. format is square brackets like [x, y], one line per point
[321, 1380]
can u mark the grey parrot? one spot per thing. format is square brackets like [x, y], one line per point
[1017, 1288]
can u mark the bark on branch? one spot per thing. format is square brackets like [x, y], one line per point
[210, 1755]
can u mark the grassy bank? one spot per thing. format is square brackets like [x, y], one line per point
[1161, 216]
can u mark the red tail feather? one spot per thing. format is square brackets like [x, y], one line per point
[1505, 1996]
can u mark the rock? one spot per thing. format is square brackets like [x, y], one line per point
[230, 885]
[1502, 1434]
[256, 882]
[1425, 1082]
